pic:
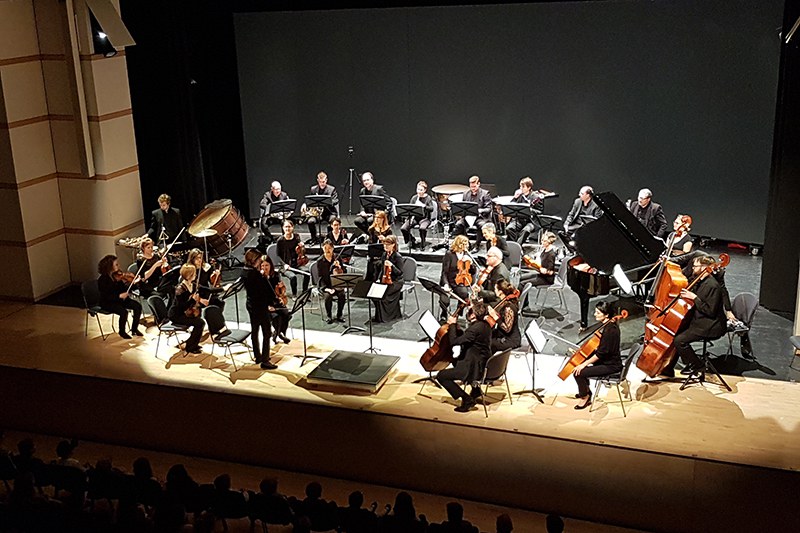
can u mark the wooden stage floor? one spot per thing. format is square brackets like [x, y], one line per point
[703, 444]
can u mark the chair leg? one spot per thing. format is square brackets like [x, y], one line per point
[483, 397]
[596, 392]
[508, 389]
[621, 401]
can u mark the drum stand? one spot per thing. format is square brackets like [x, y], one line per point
[230, 261]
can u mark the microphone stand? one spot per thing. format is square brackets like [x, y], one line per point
[349, 185]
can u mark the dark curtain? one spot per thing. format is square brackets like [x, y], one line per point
[185, 98]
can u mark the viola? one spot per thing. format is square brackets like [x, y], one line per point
[492, 316]
[386, 279]
[463, 276]
[302, 258]
[666, 322]
[215, 276]
[484, 276]
[530, 263]
[588, 348]
[280, 293]
[126, 277]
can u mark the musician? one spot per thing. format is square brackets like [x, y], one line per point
[583, 206]
[484, 201]
[274, 194]
[606, 359]
[204, 286]
[280, 314]
[165, 222]
[522, 227]
[328, 264]
[684, 244]
[493, 239]
[456, 253]
[321, 188]
[365, 216]
[337, 234]
[379, 229]
[650, 214]
[494, 271]
[421, 198]
[115, 295]
[149, 267]
[505, 333]
[686, 262]
[289, 247]
[261, 300]
[708, 320]
[387, 308]
[546, 259]
[180, 312]
[476, 349]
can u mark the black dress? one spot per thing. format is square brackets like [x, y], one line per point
[177, 313]
[609, 359]
[388, 308]
[110, 290]
[287, 251]
[259, 297]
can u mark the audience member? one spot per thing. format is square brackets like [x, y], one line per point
[64, 451]
[554, 523]
[504, 524]
[146, 488]
[322, 514]
[270, 506]
[403, 517]
[356, 519]
[26, 461]
[455, 522]
[181, 489]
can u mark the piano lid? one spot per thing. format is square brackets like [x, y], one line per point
[616, 237]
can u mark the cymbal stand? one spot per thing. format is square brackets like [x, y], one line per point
[230, 260]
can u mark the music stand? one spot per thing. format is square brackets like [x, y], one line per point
[374, 251]
[300, 305]
[430, 326]
[323, 201]
[409, 211]
[370, 291]
[516, 210]
[344, 252]
[347, 282]
[536, 344]
[233, 290]
[374, 202]
[465, 209]
[434, 288]
[282, 206]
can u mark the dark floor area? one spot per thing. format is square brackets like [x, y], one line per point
[769, 334]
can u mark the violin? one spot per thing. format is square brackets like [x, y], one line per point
[463, 276]
[530, 263]
[193, 311]
[127, 277]
[484, 276]
[302, 258]
[588, 348]
[492, 316]
[279, 289]
[386, 278]
[216, 277]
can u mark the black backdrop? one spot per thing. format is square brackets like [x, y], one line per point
[678, 96]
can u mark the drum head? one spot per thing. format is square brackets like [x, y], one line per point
[209, 216]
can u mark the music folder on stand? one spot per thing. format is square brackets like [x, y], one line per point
[323, 201]
[282, 206]
[374, 202]
[536, 344]
[370, 291]
[465, 209]
[347, 282]
[408, 211]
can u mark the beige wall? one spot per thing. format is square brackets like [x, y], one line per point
[69, 180]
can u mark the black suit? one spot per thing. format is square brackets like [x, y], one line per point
[327, 214]
[475, 351]
[484, 201]
[363, 223]
[652, 217]
[574, 220]
[170, 221]
[268, 219]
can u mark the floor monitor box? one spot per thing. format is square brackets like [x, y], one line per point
[353, 370]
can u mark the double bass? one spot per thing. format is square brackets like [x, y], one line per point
[588, 348]
[667, 319]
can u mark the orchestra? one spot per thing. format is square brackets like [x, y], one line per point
[487, 292]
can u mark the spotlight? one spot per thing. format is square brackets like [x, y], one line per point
[100, 39]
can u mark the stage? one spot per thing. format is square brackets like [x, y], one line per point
[702, 459]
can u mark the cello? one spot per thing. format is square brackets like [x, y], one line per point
[440, 354]
[588, 347]
[666, 322]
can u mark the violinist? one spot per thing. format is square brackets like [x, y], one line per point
[205, 273]
[605, 361]
[289, 248]
[114, 287]
[337, 234]
[475, 344]
[484, 200]
[458, 273]
[182, 311]
[493, 239]
[389, 269]
[150, 268]
[261, 300]
[505, 333]
[328, 264]
[494, 271]
[380, 228]
[522, 227]
[279, 312]
[421, 198]
[683, 243]
[708, 320]
[546, 261]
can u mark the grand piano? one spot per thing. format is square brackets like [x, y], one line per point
[617, 237]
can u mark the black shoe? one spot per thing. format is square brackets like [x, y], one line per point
[196, 349]
[585, 405]
[466, 405]
[284, 338]
[667, 373]
[311, 242]
[339, 319]
[475, 392]
[274, 338]
[330, 320]
[689, 370]
[266, 365]
[124, 335]
[137, 333]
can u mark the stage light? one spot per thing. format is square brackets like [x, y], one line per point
[100, 39]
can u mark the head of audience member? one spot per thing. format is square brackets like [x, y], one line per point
[222, 482]
[65, 448]
[275, 188]
[164, 202]
[460, 244]
[422, 188]
[585, 194]
[178, 477]
[142, 469]
[26, 448]
[268, 485]
[455, 512]
[526, 185]
[494, 256]
[554, 524]
[355, 500]
[322, 180]
[367, 180]
[404, 506]
[645, 195]
[314, 491]
[474, 184]
[504, 524]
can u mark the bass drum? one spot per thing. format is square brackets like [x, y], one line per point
[222, 217]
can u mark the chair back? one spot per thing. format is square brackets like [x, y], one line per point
[314, 269]
[744, 307]
[158, 307]
[91, 293]
[409, 269]
[393, 209]
[561, 275]
[214, 318]
[272, 253]
[496, 365]
[133, 267]
[515, 253]
[523, 295]
[633, 354]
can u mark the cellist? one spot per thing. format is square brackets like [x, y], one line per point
[458, 284]
[707, 321]
[605, 361]
[476, 349]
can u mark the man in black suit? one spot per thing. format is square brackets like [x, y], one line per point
[649, 213]
[365, 217]
[484, 200]
[165, 218]
[583, 210]
[707, 322]
[322, 188]
[497, 271]
[274, 194]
